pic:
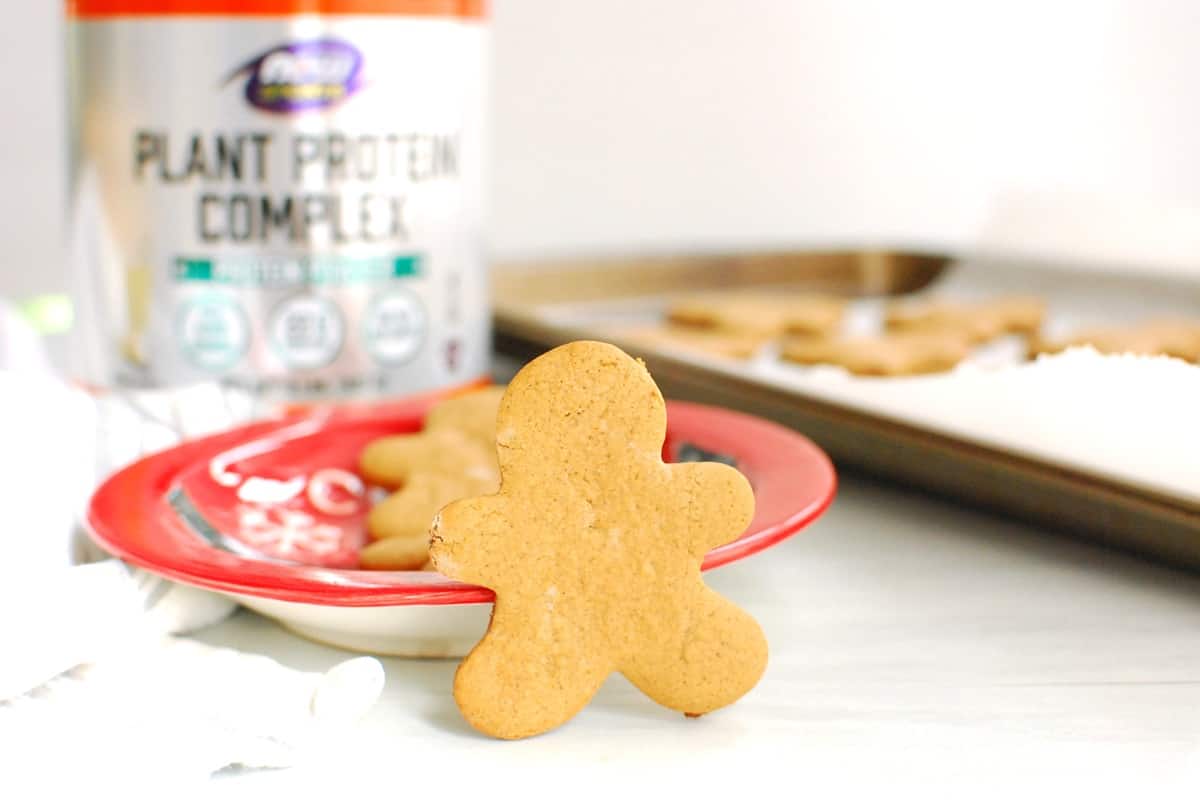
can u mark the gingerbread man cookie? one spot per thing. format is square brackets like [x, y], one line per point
[978, 321]
[454, 456]
[903, 354]
[718, 343]
[1166, 337]
[473, 414]
[593, 547]
[764, 314]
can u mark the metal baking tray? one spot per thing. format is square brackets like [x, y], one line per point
[865, 424]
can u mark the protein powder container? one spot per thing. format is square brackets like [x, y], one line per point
[284, 195]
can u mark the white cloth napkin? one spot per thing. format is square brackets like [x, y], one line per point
[91, 665]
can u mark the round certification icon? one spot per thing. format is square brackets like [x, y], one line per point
[307, 331]
[394, 327]
[212, 331]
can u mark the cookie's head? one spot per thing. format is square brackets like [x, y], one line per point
[575, 399]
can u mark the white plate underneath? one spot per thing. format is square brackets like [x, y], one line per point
[411, 631]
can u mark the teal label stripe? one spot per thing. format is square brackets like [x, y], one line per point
[193, 270]
[301, 270]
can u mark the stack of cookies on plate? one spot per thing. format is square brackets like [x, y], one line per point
[453, 457]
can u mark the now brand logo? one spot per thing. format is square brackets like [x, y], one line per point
[302, 76]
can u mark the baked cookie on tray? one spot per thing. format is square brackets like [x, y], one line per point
[901, 354]
[1168, 337]
[765, 314]
[979, 321]
[719, 343]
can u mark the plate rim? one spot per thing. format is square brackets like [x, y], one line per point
[228, 573]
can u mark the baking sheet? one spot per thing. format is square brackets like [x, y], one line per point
[1127, 420]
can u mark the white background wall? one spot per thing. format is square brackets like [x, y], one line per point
[667, 124]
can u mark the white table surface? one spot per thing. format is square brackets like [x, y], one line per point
[915, 646]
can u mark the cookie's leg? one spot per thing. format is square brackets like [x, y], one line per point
[532, 672]
[715, 656]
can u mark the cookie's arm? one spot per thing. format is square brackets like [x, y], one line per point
[714, 502]
[389, 461]
[469, 538]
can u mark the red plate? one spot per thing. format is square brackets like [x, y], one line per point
[276, 509]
